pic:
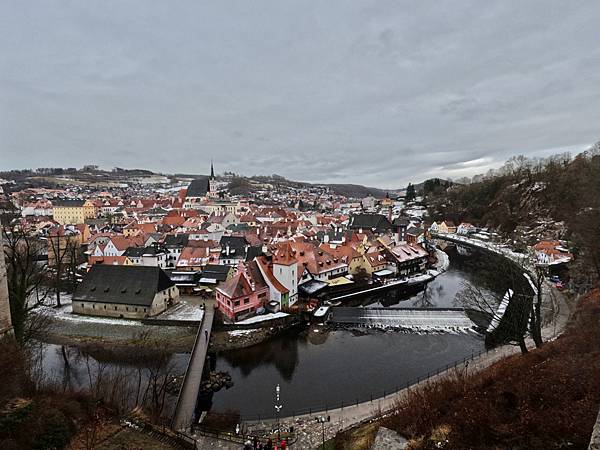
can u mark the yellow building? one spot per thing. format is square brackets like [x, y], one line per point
[72, 211]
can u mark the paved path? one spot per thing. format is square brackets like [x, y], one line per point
[186, 402]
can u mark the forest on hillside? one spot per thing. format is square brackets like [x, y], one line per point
[529, 198]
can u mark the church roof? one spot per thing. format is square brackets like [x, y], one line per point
[198, 187]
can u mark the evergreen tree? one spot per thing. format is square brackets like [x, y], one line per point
[410, 193]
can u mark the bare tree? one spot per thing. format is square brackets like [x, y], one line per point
[25, 276]
[159, 372]
[536, 282]
[63, 252]
[500, 291]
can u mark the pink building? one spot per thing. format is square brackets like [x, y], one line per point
[240, 296]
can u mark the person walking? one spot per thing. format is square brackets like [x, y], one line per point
[206, 335]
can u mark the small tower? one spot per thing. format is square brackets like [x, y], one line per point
[285, 270]
[399, 226]
[5, 320]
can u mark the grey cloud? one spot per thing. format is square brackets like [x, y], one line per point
[376, 92]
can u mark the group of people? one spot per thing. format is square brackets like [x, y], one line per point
[255, 444]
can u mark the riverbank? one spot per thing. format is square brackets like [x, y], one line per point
[245, 338]
[537, 401]
[173, 339]
[77, 331]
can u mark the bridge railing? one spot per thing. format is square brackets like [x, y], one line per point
[185, 375]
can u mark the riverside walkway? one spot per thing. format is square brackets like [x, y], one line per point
[188, 395]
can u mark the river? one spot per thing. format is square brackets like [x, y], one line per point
[319, 368]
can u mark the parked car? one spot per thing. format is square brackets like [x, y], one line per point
[554, 278]
[560, 286]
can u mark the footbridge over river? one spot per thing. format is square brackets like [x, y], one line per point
[188, 394]
[410, 318]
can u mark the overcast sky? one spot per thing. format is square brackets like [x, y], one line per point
[372, 92]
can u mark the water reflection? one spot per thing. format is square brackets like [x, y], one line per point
[121, 377]
[281, 354]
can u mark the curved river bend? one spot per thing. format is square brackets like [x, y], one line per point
[318, 369]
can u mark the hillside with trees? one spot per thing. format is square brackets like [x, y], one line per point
[528, 198]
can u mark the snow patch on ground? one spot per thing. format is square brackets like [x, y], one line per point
[183, 311]
[64, 314]
[443, 260]
[49, 298]
[240, 332]
[264, 317]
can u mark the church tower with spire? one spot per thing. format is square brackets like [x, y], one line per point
[212, 182]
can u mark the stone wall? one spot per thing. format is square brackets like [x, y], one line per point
[5, 321]
[123, 311]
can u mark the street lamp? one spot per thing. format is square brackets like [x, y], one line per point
[278, 407]
[322, 420]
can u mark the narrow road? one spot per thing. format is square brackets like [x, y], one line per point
[186, 402]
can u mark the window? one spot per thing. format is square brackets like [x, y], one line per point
[237, 303]
[246, 301]
[115, 308]
[82, 305]
[127, 308]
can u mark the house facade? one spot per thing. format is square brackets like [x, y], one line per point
[129, 292]
[73, 211]
[243, 294]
